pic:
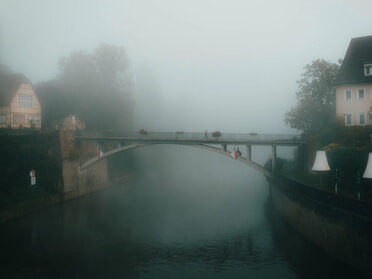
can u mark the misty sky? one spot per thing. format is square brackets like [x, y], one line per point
[228, 65]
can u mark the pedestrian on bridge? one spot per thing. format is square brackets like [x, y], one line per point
[205, 134]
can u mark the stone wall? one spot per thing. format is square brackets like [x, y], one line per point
[28, 207]
[56, 159]
[343, 228]
[76, 182]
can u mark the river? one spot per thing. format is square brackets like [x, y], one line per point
[189, 214]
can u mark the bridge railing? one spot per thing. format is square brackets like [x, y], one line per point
[190, 135]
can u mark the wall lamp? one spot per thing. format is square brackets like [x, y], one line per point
[368, 171]
[321, 164]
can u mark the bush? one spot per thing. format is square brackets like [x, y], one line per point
[354, 135]
[216, 134]
[143, 132]
[350, 162]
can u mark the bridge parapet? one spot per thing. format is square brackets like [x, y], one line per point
[192, 138]
[130, 140]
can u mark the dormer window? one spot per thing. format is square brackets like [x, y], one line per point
[368, 69]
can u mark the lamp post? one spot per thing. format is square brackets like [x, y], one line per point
[321, 163]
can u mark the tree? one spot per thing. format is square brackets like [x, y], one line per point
[95, 86]
[54, 103]
[315, 108]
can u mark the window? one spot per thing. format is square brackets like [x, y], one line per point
[348, 119]
[348, 95]
[25, 101]
[33, 119]
[362, 118]
[2, 118]
[368, 69]
[361, 94]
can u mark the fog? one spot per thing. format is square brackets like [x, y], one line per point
[204, 205]
[218, 65]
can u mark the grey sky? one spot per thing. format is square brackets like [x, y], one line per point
[228, 65]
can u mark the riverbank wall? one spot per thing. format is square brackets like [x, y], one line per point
[340, 226]
[76, 182]
[55, 159]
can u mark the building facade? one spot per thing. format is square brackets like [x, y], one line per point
[19, 105]
[354, 84]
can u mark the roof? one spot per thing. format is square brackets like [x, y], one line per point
[9, 85]
[358, 53]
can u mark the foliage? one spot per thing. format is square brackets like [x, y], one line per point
[350, 163]
[347, 157]
[143, 132]
[97, 87]
[315, 108]
[353, 135]
[216, 134]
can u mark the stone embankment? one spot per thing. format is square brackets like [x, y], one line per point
[76, 182]
[340, 226]
[56, 159]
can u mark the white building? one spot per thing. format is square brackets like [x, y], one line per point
[354, 84]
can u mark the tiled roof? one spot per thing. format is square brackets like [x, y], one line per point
[9, 84]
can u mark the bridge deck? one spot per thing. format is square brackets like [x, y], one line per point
[192, 138]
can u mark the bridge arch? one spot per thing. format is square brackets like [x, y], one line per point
[221, 151]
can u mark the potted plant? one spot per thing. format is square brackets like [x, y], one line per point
[216, 134]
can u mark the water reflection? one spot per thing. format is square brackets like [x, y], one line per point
[188, 215]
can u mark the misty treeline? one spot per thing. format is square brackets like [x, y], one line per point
[97, 87]
[316, 100]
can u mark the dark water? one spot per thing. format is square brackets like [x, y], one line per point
[190, 214]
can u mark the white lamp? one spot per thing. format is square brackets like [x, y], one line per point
[368, 171]
[321, 162]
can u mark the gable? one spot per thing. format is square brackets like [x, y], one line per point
[25, 97]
